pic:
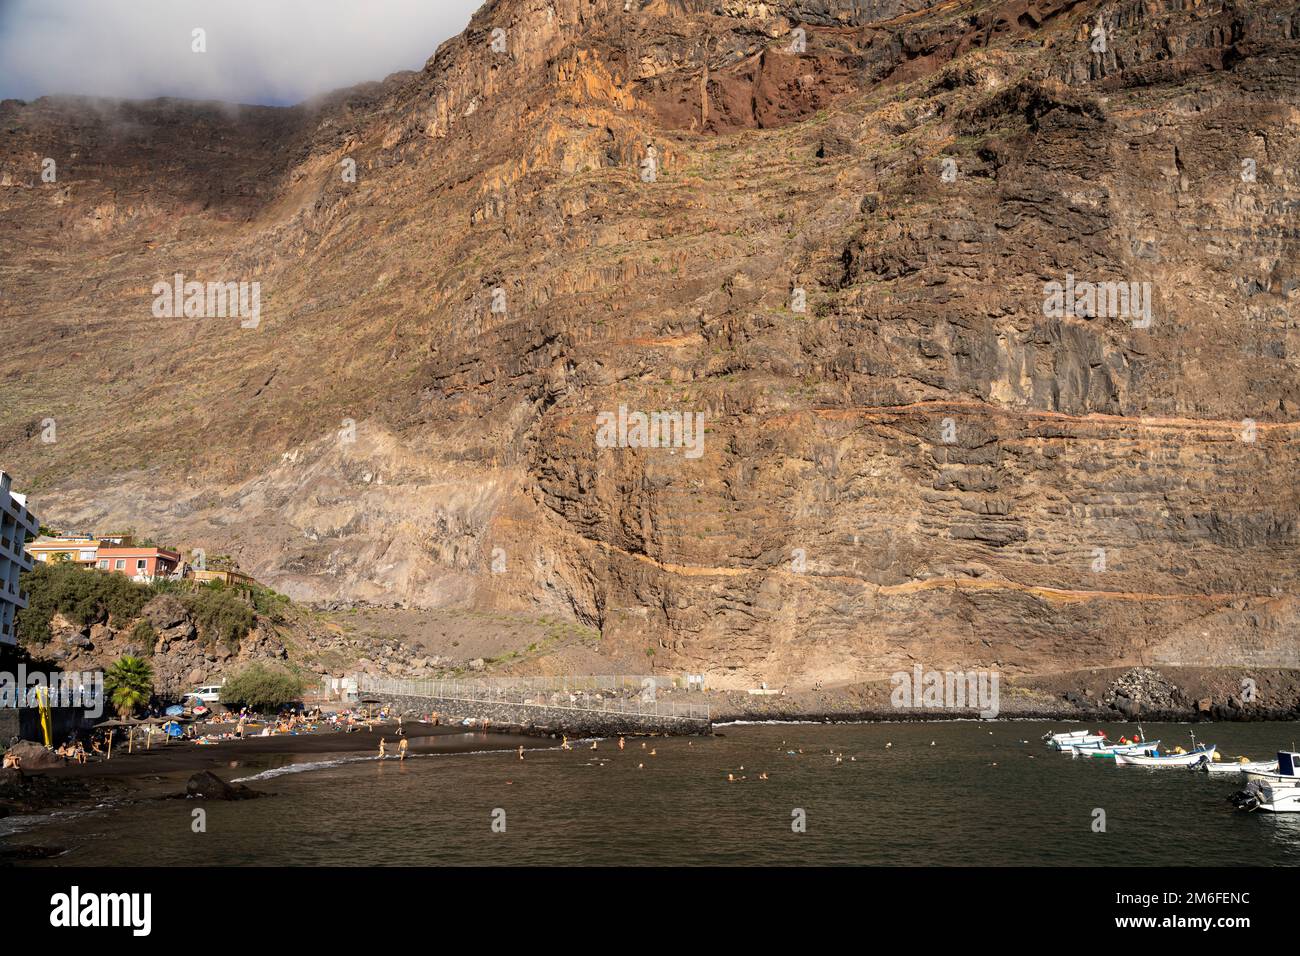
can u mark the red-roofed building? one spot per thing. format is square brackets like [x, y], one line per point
[139, 563]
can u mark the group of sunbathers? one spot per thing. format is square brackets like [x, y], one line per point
[73, 750]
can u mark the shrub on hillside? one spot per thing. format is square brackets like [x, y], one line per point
[86, 596]
[270, 604]
[262, 688]
[82, 596]
[219, 613]
[144, 636]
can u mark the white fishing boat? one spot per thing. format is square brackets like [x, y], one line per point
[1267, 797]
[1166, 760]
[1073, 738]
[1283, 774]
[1238, 767]
[1110, 751]
[1106, 748]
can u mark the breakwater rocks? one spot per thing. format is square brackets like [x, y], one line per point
[1176, 694]
[543, 720]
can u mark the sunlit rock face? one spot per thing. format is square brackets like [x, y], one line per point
[989, 314]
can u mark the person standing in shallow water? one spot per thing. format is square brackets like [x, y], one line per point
[620, 743]
[402, 748]
[383, 747]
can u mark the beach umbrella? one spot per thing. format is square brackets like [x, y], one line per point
[114, 724]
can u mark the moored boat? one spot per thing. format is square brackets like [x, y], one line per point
[1286, 773]
[1265, 796]
[1073, 738]
[1110, 752]
[1166, 760]
[1239, 766]
[1104, 748]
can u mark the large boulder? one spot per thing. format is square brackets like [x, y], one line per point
[206, 785]
[170, 620]
[34, 757]
[65, 631]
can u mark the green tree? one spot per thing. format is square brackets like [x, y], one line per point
[129, 683]
[262, 688]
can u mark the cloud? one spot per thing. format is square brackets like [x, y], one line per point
[258, 51]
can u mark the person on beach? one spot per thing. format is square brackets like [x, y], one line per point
[564, 742]
[383, 747]
[11, 762]
[402, 748]
[80, 754]
[239, 727]
[400, 731]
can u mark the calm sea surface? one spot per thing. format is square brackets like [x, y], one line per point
[986, 794]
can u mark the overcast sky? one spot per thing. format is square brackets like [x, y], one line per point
[258, 51]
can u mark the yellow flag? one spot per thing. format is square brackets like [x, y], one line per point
[43, 703]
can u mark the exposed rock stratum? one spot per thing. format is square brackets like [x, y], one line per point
[921, 465]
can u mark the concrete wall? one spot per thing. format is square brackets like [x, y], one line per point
[541, 719]
[25, 722]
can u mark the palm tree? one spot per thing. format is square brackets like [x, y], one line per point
[129, 683]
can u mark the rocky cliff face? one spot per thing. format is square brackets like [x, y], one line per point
[987, 308]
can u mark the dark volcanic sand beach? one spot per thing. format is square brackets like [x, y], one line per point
[163, 770]
[254, 751]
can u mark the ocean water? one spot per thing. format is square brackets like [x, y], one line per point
[944, 794]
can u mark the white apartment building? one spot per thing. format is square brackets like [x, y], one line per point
[17, 524]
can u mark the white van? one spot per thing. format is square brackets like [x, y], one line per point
[209, 694]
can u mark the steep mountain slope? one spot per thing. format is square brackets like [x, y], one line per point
[582, 205]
